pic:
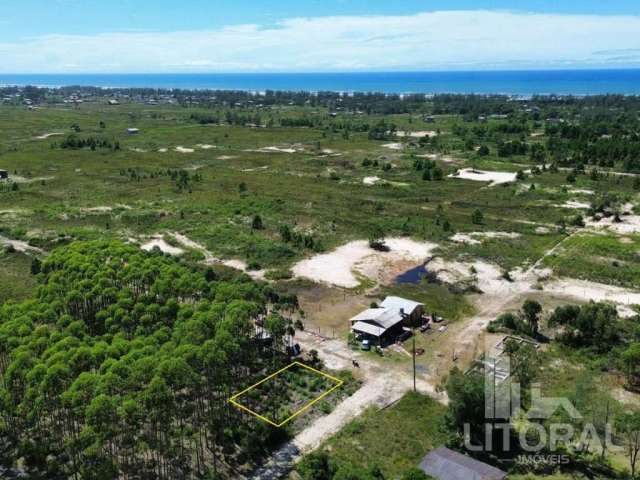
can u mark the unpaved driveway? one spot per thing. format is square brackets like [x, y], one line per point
[382, 385]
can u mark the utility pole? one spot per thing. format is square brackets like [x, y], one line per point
[413, 334]
[413, 353]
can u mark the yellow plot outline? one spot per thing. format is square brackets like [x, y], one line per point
[235, 403]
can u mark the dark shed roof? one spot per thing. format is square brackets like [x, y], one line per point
[445, 464]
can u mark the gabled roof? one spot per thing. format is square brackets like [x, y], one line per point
[368, 328]
[445, 464]
[397, 303]
[368, 314]
[383, 317]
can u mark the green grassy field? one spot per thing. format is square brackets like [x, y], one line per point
[213, 190]
[604, 258]
[395, 438]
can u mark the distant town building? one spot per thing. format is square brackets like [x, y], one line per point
[133, 131]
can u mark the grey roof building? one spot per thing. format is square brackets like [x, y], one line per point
[445, 464]
[381, 320]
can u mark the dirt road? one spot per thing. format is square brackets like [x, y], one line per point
[382, 385]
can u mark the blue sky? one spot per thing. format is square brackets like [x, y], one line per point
[60, 36]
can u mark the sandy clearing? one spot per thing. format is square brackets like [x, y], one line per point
[475, 238]
[487, 276]
[575, 205]
[160, 243]
[256, 169]
[100, 209]
[138, 150]
[20, 179]
[542, 230]
[184, 149]
[19, 245]
[582, 191]
[342, 266]
[370, 180]
[205, 146]
[393, 146]
[419, 134]
[274, 149]
[495, 178]
[226, 157]
[629, 225]
[584, 290]
[47, 135]
[163, 150]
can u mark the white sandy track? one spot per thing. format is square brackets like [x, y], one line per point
[19, 245]
[210, 259]
[382, 386]
[475, 238]
[274, 149]
[180, 149]
[495, 178]
[48, 135]
[341, 266]
[393, 146]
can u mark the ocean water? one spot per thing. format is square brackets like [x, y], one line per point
[575, 82]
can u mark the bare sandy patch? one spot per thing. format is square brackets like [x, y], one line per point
[275, 149]
[474, 238]
[584, 290]
[139, 150]
[542, 230]
[19, 245]
[629, 225]
[20, 179]
[419, 134]
[100, 209]
[576, 205]
[344, 265]
[581, 191]
[393, 146]
[184, 149]
[205, 146]
[256, 169]
[163, 150]
[226, 157]
[371, 180]
[494, 178]
[159, 242]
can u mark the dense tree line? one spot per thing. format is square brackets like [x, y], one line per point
[74, 142]
[121, 367]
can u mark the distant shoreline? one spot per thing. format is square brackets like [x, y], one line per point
[507, 82]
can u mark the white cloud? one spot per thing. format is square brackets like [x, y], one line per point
[431, 40]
